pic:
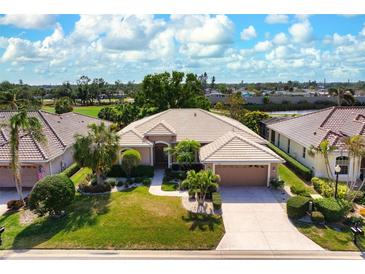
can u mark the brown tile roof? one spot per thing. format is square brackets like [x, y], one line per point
[58, 129]
[331, 123]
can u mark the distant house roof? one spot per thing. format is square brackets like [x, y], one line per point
[233, 147]
[332, 123]
[58, 129]
[197, 124]
[273, 120]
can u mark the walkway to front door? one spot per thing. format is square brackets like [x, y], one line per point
[254, 220]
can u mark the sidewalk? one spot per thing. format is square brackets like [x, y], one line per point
[156, 183]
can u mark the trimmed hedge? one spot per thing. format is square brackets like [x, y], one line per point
[179, 167]
[71, 170]
[333, 210]
[300, 190]
[98, 188]
[301, 170]
[317, 217]
[297, 206]
[216, 200]
[327, 189]
[138, 171]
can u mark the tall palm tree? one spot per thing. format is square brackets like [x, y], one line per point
[18, 124]
[16, 98]
[343, 95]
[324, 149]
[97, 150]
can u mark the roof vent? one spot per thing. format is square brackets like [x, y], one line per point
[314, 133]
[194, 114]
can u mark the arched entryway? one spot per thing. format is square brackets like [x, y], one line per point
[160, 156]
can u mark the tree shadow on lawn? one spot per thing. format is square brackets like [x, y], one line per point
[84, 211]
[202, 221]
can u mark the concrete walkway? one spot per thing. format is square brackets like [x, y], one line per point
[156, 184]
[254, 220]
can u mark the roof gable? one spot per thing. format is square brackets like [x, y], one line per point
[132, 138]
[160, 129]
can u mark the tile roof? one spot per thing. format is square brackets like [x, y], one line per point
[233, 147]
[331, 123]
[58, 129]
[131, 138]
[200, 125]
[160, 129]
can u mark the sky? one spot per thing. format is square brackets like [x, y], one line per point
[51, 49]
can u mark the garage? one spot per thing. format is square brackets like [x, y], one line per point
[28, 174]
[242, 175]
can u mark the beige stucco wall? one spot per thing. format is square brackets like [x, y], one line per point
[145, 154]
[274, 170]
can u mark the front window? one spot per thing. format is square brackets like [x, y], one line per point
[304, 152]
[343, 162]
[289, 146]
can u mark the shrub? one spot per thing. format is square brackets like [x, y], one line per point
[120, 183]
[327, 189]
[300, 169]
[143, 171]
[63, 105]
[14, 204]
[116, 171]
[276, 183]
[146, 181]
[317, 217]
[130, 159]
[98, 188]
[111, 181]
[108, 113]
[71, 170]
[297, 206]
[52, 195]
[353, 220]
[197, 167]
[300, 190]
[217, 200]
[332, 209]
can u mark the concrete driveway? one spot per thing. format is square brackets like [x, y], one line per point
[254, 220]
[7, 195]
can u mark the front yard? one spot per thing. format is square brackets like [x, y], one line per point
[133, 219]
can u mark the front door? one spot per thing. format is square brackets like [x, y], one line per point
[160, 156]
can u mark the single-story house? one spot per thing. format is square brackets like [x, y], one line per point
[41, 159]
[296, 136]
[230, 149]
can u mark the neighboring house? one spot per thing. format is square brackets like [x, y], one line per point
[229, 148]
[41, 159]
[215, 97]
[297, 135]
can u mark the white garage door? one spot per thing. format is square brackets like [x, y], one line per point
[28, 175]
[242, 175]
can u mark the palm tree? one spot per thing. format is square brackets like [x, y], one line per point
[185, 151]
[200, 183]
[343, 95]
[16, 98]
[22, 123]
[97, 150]
[324, 149]
[355, 146]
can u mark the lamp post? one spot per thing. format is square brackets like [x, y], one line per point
[337, 171]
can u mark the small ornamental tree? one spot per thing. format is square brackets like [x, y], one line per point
[130, 159]
[63, 105]
[185, 151]
[52, 195]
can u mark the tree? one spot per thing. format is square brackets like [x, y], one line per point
[130, 159]
[236, 103]
[83, 89]
[252, 119]
[97, 88]
[200, 183]
[219, 106]
[97, 150]
[212, 84]
[343, 95]
[185, 151]
[20, 124]
[63, 105]
[203, 78]
[52, 195]
[324, 149]
[65, 90]
[17, 97]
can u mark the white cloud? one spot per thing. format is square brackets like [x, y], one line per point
[263, 46]
[276, 19]
[339, 40]
[248, 33]
[363, 31]
[301, 32]
[196, 50]
[280, 39]
[28, 21]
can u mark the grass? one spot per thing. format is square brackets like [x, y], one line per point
[291, 179]
[167, 186]
[121, 220]
[86, 110]
[81, 175]
[330, 238]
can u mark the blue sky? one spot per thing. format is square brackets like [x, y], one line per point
[50, 49]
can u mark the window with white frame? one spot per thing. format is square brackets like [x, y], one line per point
[343, 162]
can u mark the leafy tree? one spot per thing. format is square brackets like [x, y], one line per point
[15, 97]
[185, 151]
[21, 123]
[65, 90]
[83, 89]
[109, 113]
[200, 183]
[63, 105]
[212, 84]
[343, 95]
[97, 150]
[236, 103]
[252, 119]
[324, 149]
[130, 159]
[52, 195]
[219, 106]
[203, 78]
[266, 100]
[97, 88]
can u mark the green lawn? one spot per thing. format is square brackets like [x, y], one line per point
[331, 239]
[81, 175]
[291, 179]
[121, 220]
[87, 110]
[167, 186]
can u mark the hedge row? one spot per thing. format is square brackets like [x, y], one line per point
[333, 210]
[71, 170]
[139, 171]
[297, 206]
[299, 168]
